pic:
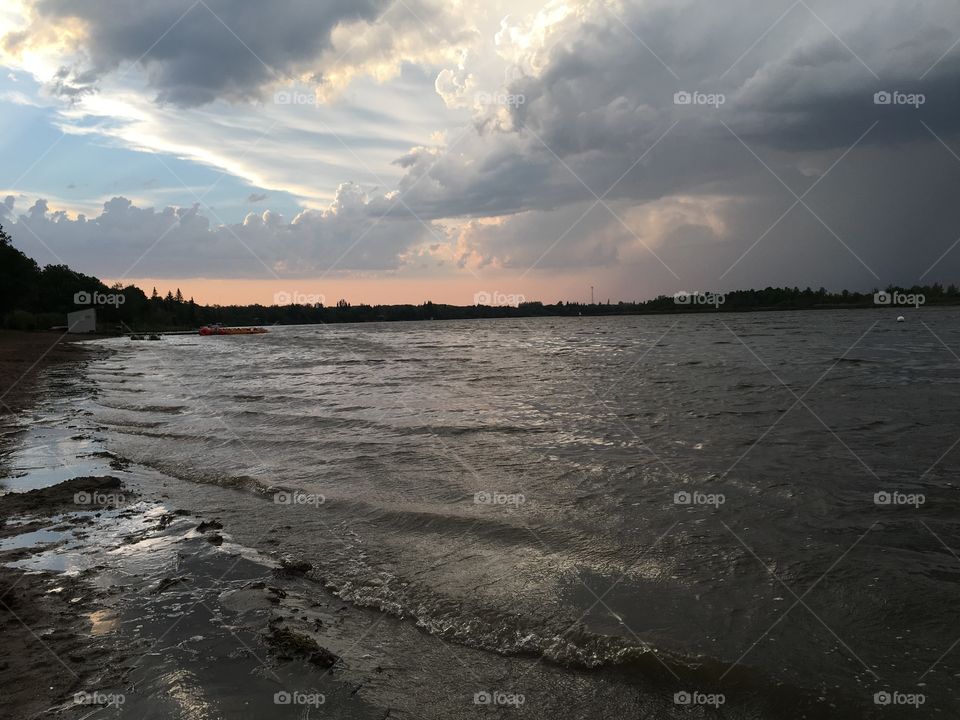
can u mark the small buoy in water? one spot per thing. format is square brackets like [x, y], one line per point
[900, 318]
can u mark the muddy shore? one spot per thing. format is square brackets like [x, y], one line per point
[25, 355]
[31, 669]
[108, 593]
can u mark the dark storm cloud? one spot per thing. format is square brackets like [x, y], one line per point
[607, 94]
[795, 101]
[197, 52]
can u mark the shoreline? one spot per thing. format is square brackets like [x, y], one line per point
[107, 591]
[507, 313]
[25, 355]
[34, 666]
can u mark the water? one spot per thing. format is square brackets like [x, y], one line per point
[518, 485]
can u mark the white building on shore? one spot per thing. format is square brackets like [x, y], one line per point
[82, 321]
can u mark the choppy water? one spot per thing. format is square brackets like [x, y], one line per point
[782, 573]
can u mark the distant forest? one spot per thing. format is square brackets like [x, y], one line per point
[35, 298]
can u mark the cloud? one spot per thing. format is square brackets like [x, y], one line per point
[193, 53]
[6, 209]
[596, 97]
[599, 124]
[564, 144]
[256, 197]
[349, 235]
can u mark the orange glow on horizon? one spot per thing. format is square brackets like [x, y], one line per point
[372, 291]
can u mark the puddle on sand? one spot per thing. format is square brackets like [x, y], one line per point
[103, 622]
[45, 456]
[45, 536]
[97, 538]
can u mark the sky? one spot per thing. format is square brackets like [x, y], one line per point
[450, 150]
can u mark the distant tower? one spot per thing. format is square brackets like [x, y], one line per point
[591, 294]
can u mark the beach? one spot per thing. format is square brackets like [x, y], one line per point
[444, 520]
[24, 355]
[28, 675]
[64, 602]
[587, 360]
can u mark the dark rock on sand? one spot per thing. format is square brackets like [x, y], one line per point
[165, 521]
[169, 582]
[292, 566]
[289, 644]
[44, 500]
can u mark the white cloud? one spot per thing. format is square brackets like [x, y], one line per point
[123, 239]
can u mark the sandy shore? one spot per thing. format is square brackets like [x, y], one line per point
[34, 668]
[117, 601]
[23, 356]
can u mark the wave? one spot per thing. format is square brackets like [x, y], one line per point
[575, 648]
[166, 409]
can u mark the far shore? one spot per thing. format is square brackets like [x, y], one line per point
[243, 316]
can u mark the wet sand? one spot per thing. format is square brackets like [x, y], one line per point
[40, 627]
[106, 597]
[114, 602]
[24, 355]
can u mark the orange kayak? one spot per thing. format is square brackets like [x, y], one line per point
[217, 330]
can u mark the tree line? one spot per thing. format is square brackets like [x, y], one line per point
[33, 298]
